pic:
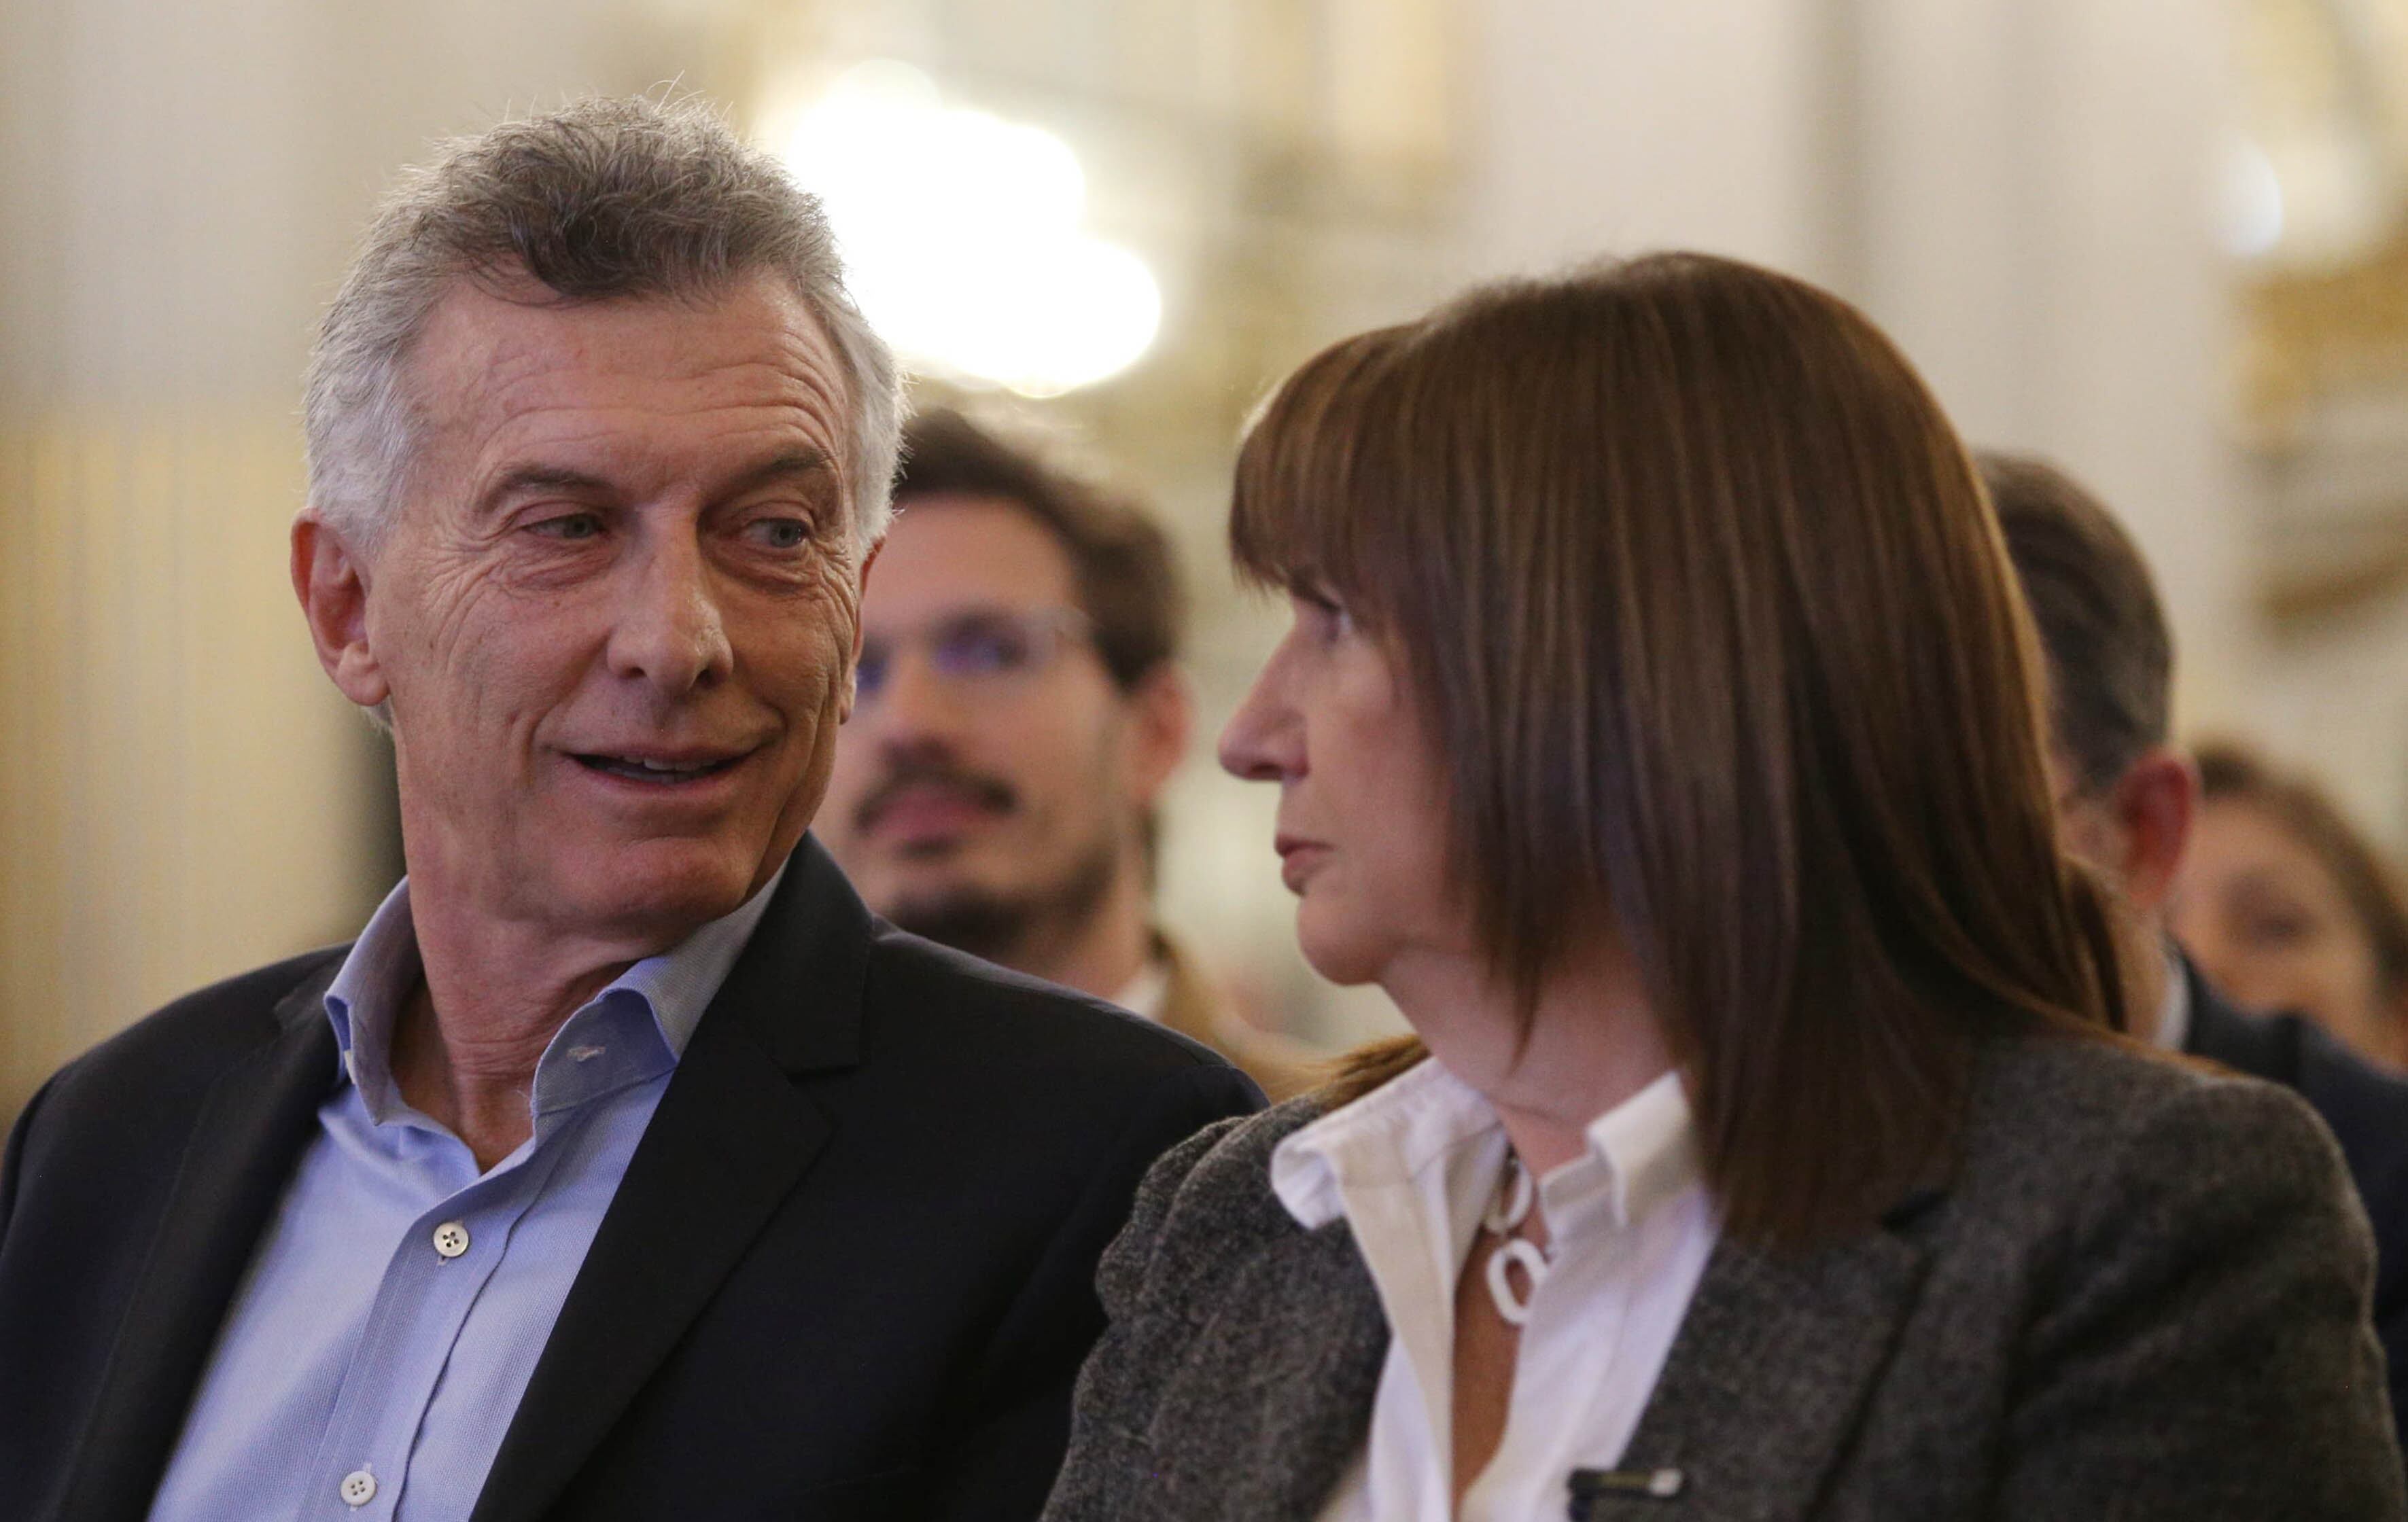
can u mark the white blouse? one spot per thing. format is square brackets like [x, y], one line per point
[1412, 1166]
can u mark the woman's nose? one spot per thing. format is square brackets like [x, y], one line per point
[1263, 741]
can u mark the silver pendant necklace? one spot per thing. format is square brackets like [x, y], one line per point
[1504, 1220]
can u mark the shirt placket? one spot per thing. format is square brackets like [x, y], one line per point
[431, 1283]
[1570, 1347]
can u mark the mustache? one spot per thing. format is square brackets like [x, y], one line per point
[988, 792]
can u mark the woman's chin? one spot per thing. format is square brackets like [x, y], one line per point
[1345, 953]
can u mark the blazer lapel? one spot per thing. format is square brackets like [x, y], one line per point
[251, 1129]
[732, 1137]
[1301, 1340]
[1767, 1375]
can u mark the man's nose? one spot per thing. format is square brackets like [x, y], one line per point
[670, 633]
[914, 705]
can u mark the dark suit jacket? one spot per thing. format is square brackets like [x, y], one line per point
[2367, 1111]
[847, 1273]
[2139, 1295]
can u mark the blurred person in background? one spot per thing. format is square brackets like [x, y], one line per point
[624, 1166]
[1020, 710]
[2287, 906]
[1658, 728]
[2127, 803]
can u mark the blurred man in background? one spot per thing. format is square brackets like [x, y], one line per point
[1021, 710]
[2286, 904]
[624, 1166]
[2127, 803]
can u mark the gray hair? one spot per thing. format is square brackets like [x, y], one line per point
[2110, 654]
[601, 199]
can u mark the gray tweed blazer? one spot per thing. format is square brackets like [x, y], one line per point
[2141, 1293]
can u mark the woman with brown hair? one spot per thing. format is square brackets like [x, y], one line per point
[2285, 907]
[1657, 729]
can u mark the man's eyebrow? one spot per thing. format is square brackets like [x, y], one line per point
[520, 479]
[803, 462]
[523, 479]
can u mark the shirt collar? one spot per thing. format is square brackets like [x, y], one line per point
[1144, 994]
[1640, 1152]
[660, 1000]
[1388, 1136]
[2172, 1034]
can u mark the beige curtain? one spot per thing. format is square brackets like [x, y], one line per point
[186, 796]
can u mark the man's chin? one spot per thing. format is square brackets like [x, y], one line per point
[933, 869]
[949, 853]
[656, 895]
[969, 918]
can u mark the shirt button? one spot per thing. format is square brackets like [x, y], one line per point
[359, 1488]
[451, 1240]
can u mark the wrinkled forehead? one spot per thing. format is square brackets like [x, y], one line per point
[641, 384]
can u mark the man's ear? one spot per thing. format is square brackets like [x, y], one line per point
[1162, 721]
[860, 632]
[331, 582]
[2155, 802]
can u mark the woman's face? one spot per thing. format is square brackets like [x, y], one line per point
[1362, 814]
[2269, 924]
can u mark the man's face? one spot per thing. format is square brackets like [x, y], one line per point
[616, 614]
[2273, 926]
[992, 775]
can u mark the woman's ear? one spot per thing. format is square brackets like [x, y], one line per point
[332, 581]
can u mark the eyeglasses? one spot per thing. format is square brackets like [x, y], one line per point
[986, 651]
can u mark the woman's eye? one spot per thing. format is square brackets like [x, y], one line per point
[1322, 612]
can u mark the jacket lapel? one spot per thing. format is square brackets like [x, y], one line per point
[732, 1137]
[1766, 1376]
[1301, 1338]
[248, 1131]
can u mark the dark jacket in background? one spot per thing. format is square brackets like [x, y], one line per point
[847, 1275]
[2367, 1111]
[2139, 1295]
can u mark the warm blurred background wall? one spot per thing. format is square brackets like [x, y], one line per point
[2159, 239]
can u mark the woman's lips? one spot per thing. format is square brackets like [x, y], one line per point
[1299, 857]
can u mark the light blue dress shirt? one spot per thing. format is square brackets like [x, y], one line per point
[393, 1311]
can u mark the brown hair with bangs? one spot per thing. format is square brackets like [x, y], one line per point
[1699, 594]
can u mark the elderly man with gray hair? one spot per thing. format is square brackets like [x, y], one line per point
[624, 1166]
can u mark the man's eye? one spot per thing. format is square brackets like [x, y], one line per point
[2276, 930]
[568, 526]
[779, 533]
[870, 672]
[982, 650]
